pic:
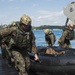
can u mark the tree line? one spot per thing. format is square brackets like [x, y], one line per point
[48, 26]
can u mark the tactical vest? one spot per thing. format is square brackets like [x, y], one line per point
[47, 37]
[24, 39]
[70, 35]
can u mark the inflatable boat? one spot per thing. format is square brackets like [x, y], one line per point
[53, 64]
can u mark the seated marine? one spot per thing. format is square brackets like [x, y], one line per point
[49, 37]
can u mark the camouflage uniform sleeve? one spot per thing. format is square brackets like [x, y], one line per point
[33, 44]
[6, 32]
[62, 38]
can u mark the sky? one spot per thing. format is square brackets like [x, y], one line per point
[42, 12]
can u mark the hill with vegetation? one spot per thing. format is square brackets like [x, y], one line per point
[48, 26]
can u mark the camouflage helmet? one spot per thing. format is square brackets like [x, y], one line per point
[13, 23]
[71, 25]
[47, 31]
[25, 19]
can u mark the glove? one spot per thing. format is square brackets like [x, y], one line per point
[36, 57]
[33, 50]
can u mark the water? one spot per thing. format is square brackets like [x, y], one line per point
[40, 37]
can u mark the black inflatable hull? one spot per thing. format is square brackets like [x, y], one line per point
[54, 64]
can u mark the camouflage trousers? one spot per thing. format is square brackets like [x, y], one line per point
[21, 63]
[6, 54]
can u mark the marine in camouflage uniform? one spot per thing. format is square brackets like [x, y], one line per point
[49, 37]
[4, 36]
[67, 35]
[23, 42]
[5, 46]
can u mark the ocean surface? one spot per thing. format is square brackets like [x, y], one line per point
[40, 37]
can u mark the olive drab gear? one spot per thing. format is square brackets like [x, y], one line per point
[25, 19]
[70, 33]
[7, 31]
[24, 39]
[50, 38]
[67, 35]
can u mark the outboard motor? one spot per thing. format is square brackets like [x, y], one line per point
[69, 11]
